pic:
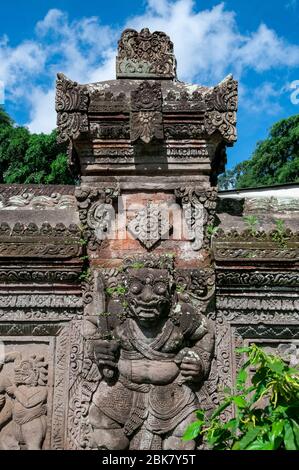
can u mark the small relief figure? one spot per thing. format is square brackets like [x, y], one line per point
[23, 424]
[153, 366]
[5, 402]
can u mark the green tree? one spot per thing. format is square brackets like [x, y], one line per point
[274, 161]
[31, 158]
[5, 119]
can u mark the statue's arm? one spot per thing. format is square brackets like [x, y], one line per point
[195, 360]
[205, 348]
[6, 413]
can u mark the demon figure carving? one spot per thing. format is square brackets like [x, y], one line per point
[153, 364]
[23, 408]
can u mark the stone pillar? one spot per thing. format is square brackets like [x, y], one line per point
[148, 149]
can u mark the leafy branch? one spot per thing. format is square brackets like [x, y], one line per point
[266, 408]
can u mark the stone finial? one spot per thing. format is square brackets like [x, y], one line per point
[145, 55]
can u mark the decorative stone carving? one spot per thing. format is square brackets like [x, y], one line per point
[151, 224]
[145, 54]
[33, 275]
[199, 212]
[271, 204]
[259, 303]
[69, 95]
[222, 103]
[146, 125]
[71, 105]
[183, 101]
[182, 153]
[256, 247]
[40, 300]
[46, 241]
[28, 200]
[197, 287]
[182, 131]
[154, 359]
[251, 317]
[117, 130]
[95, 211]
[71, 125]
[146, 120]
[259, 236]
[23, 401]
[257, 279]
[106, 102]
[147, 97]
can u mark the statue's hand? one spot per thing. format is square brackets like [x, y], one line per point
[190, 365]
[106, 352]
[2, 401]
[11, 390]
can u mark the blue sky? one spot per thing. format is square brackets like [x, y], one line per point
[255, 40]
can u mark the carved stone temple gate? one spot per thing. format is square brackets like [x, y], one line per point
[120, 304]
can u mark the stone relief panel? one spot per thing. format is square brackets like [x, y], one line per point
[23, 396]
[151, 224]
[199, 209]
[146, 121]
[267, 320]
[95, 209]
[145, 54]
[46, 241]
[147, 357]
[258, 247]
[35, 373]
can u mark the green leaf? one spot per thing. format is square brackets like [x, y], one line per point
[289, 437]
[260, 424]
[241, 377]
[277, 428]
[250, 436]
[276, 433]
[200, 415]
[295, 427]
[257, 445]
[231, 424]
[240, 401]
[192, 431]
[277, 367]
[244, 349]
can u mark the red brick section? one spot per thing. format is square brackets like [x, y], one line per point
[112, 252]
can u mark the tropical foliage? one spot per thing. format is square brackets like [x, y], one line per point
[266, 404]
[274, 161]
[31, 158]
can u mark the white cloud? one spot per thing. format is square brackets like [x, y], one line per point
[19, 63]
[208, 45]
[264, 50]
[263, 99]
[42, 110]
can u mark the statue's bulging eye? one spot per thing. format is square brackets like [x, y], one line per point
[136, 287]
[160, 288]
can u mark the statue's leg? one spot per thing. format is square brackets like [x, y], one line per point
[33, 433]
[8, 439]
[107, 433]
[174, 441]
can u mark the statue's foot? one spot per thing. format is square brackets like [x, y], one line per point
[176, 443]
[110, 439]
